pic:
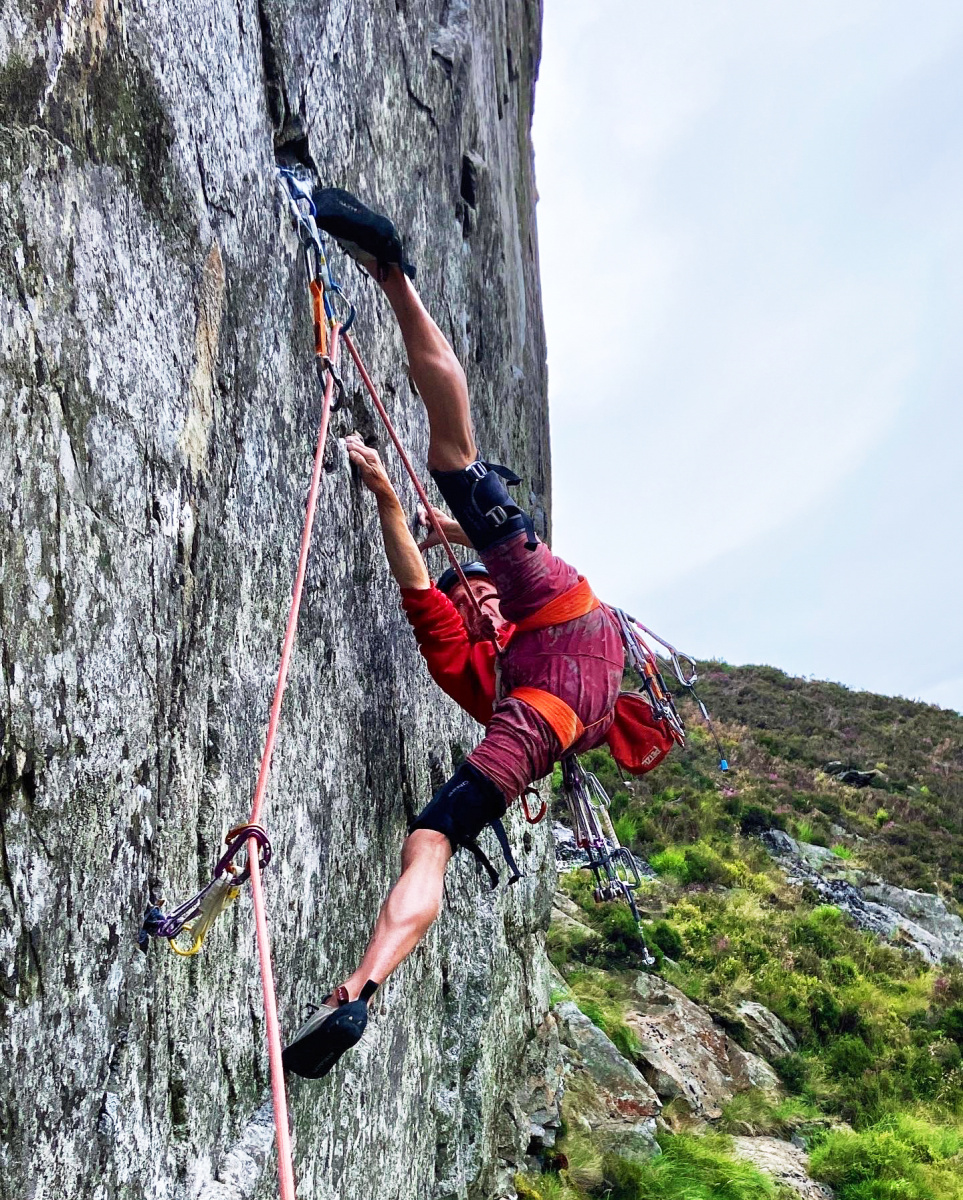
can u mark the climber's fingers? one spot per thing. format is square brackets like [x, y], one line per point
[369, 464]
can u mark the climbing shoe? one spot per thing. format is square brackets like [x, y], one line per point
[333, 1028]
[367, 236]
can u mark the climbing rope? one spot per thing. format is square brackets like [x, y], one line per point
[196, 915]
[419, 487]
[326, 353]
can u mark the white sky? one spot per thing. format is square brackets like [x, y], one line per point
[751, 226]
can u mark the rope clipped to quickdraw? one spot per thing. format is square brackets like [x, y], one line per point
[613, 865]
[196, 915]
[684, 668]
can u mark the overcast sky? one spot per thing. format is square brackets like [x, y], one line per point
[751, 225]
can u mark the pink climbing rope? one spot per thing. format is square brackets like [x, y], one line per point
[292, 627]
[278, 1095]
[413, 475]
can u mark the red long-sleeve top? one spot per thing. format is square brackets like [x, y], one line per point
[580, 661]
[463, 669]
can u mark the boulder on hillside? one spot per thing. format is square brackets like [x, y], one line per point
[763, 1032]
[932, 931]
[604, 1093]
[925, 910]
[784, 1162]
[685, 1056]
[568, 917]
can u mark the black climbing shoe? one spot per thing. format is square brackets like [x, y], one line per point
[327, 1034]
[367, 236]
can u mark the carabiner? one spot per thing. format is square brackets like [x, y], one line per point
[543, 807]
[326, 367]
[237, 839]
[336, 290]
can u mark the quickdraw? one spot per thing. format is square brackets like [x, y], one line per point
[613, 865]
[196, 916]
[325, 291]
[684, 668]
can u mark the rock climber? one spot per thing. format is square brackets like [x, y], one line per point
[560, 653]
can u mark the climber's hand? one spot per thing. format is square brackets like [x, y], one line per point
[452, 530]
[370, 467]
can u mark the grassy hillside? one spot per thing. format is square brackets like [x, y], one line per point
[794, 728]
[876, 1086]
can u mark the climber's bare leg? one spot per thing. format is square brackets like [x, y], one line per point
[437, 374]
[409, 911]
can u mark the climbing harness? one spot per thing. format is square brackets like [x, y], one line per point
[613, 865]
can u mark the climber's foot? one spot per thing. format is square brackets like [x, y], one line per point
[336, 1026]
[368, 237]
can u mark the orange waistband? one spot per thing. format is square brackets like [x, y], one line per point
[563, 720]
[576, 602]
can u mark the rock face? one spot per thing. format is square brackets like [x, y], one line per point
[159, 408]
[765, 1034]
[924, 910]
[917, 920]
[685, 1056]
[605, 1093]
[785, 1162]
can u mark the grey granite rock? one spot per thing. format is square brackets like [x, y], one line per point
[784, 1162]
[158, 408]
[610, 1097]
[685, 1056]
[925, 910]
[915, 920]
[765, 1034]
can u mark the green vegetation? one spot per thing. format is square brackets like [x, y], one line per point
[880, 1033]
[904, 1157]
[801, 727]
[689, 1168]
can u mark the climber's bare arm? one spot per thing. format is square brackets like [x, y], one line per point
[404, 557]
[436, 373]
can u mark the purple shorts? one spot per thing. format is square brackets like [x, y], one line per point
[580, 661]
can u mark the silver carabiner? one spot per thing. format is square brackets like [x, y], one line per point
[336, 292]
[326, 366]
[687, 677]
